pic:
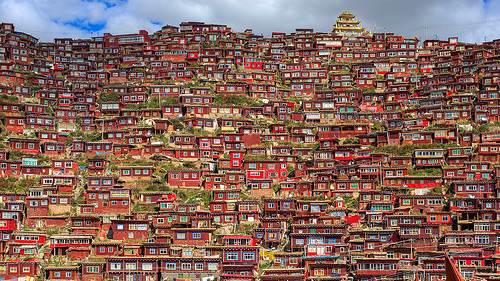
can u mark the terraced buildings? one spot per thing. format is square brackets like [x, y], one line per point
[200, 152]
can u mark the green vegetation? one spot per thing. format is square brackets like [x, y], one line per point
[351, 202]
[148, 208]
[109, 97]
[170, 100]
[378, 127]
[430, 172]
[257, 157]
[194, 195]
[7, 98]
[407, 150]
[351, 141]
[19, 185]
[235, 100]
[437, 190]
[246, 228]
[178, 122]
[198, 132]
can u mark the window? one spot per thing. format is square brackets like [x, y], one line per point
[212, 266]
[170, 266]
[232, 256]
[116, 266]
[187, 252]
[186, 266]
[482, 239]
[482, 227]
[130, 266]
[196, 235]
[249, 256]
[147, 266]
[181, 235]
[198, 266]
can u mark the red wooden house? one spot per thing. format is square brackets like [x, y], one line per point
[489, 152]
[109, 200]
[192, 236]
[128, 229]
[61, 272]
[97, 166]
[143, 268]
[474, 189]
[106, 248]
[136, 172]
[53, 148]
[16, 269]
[14, 124]
[60, 244]
[64, 166]
[428, 157]
[92, 271]
[189, 267]
[25, 145]
[422, 203]
[184, 178]
[10, 168]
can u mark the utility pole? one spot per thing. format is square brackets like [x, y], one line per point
[425, 32]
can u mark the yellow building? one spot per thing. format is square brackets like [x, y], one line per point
[349, 26]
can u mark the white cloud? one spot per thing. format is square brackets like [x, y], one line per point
[471, 20]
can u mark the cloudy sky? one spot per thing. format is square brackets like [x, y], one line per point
[470, 20]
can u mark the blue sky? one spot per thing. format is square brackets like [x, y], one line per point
[470, 20]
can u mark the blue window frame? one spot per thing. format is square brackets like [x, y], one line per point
[196, 235]
[170, 266]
